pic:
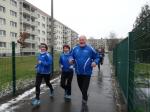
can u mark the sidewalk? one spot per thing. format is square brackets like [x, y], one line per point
[100, 96]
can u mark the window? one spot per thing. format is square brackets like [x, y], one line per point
[13, 13]
[38, 23]
[2, 44]
[38, 15]
[33, 46]
[43, 25]
[33, 38]
[13, 3]
[2, 33]
[2, 9]
[43, 32]
[13, 34]
[13, 24]
[38, 31]
[43, 18]
[2, 21]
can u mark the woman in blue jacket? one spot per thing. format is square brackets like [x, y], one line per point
[43, 69]
[66, 71]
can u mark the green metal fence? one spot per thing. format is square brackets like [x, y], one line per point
[17, 72]
[120, 60]
[132, 65]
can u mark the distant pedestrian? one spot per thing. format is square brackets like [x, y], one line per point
[101, 56]
[85, 58]
[43, 69]
[66, 71]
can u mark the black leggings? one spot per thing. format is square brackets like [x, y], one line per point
[83, 83]
[66, 79]
[38, 82]
[100, 62]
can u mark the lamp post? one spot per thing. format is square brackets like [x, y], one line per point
[52, 36]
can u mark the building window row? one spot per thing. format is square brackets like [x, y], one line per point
[13, 24]
[3, 22]
[13, 34]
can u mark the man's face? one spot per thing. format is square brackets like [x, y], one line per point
[82, 41]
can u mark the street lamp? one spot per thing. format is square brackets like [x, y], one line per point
[52, 36]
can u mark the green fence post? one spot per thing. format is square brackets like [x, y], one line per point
[13, 69]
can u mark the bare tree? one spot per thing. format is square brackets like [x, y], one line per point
[112, 41]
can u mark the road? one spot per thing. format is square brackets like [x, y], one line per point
[101, 97]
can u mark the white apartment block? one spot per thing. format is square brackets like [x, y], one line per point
[67, 36]
[9, 25]
[42, 27]
[28, 17]
[97, 43]
[74, 38]
[18, 16]
[58, 36]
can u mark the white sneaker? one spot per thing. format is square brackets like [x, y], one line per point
[35, 102]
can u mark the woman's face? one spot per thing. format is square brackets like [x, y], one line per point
[66, 49]
[43, 49]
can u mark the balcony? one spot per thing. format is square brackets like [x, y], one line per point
[24, 10]
[30, 40]
[27, 21]
[29, 50]
[33, 23]
[34, 14]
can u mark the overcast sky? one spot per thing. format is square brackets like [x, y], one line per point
[94, 18]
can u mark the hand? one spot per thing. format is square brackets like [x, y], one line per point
[39, 62]
[71, 61]
[93, 64]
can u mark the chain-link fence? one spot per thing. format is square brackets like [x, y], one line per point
[17, 72]
[131, 59]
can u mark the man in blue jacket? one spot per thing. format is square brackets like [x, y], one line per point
[85, 58]
[66, 71]
[43, 69]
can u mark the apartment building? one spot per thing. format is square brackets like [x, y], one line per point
[18, 16]
[62, 35]
[67, 36]
[74, 38]
[9, 25]
[42, 27]
[28, 17]
[97, 43]
[58, 35]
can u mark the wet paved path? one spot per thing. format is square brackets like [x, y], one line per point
[100, 96]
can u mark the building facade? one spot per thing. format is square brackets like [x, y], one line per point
[97, 43]
[9, 25]
[42, 27]
[18, 16]
[28, 17]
